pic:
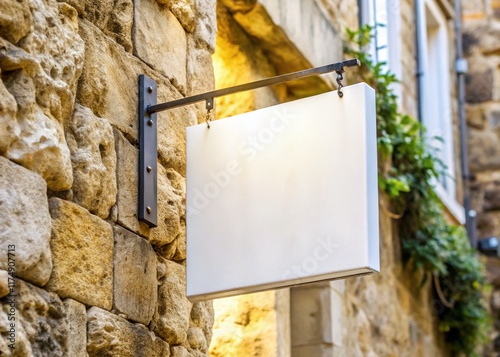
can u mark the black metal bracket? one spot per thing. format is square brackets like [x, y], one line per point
[148, 145]
[148, 153]
[209, 96]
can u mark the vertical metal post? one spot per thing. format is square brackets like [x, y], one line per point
[148, 153]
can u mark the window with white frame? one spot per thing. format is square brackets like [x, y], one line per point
[374, 13]
[385, 18]
[434, 75]
[435, 89]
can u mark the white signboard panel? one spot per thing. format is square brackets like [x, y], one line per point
[283, 195]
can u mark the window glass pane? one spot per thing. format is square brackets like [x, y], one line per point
[435, 89]
[376, 16]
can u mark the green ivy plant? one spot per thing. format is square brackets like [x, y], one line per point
[407, 168]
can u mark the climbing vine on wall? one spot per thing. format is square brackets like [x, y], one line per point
[407, 168]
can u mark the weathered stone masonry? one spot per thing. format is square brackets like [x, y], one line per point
[91, 279]
[481, 33]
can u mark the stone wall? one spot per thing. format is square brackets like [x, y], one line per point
[90, 278]
[93, 280]
[481, 34]
[390, 313]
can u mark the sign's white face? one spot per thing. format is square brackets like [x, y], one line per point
[283, 196]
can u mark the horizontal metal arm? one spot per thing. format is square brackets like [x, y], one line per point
[209, 96]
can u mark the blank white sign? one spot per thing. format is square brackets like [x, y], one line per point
[283, 196]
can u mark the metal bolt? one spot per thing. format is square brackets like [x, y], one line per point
[150, 89]
[150, 122]
[148, 209]
[149, 168]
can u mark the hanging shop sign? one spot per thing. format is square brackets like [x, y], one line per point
[277, 197]
[282, 196]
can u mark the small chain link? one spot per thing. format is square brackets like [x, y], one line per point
[339, 82]
[208, 118]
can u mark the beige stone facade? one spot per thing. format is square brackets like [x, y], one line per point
[482, 48]
[91, 279]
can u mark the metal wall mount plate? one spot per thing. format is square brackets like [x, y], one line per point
[148, 153]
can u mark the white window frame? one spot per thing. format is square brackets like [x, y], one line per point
[388, 12]
[435, 96]
[386, 45]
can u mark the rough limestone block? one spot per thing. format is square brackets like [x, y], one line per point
[176, 250]
[492, 196]
[39, 144]
[111, 335]
[76, 319]
[25, 222]
[171, 207]
[206, 23]
[108, 85]
[15, 21]
[476, 117]
[127, 182]
[114, 18]
[4, 283]
[196, 353]
[120, 23]
[98, 12]
[179, 351]
[160, 41]
[135, 287]
[202, 316]
[200, 71]
[171, 320]
[196, 339]
[172, 135]
[82, 251]
[9, 129]
[481, 37]
[185, 12]
[488, 224]
[40, 323]
[484, 150]
[372, 295]
[60, 51]
[479, 86]
[92, 145]
[52, 64]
